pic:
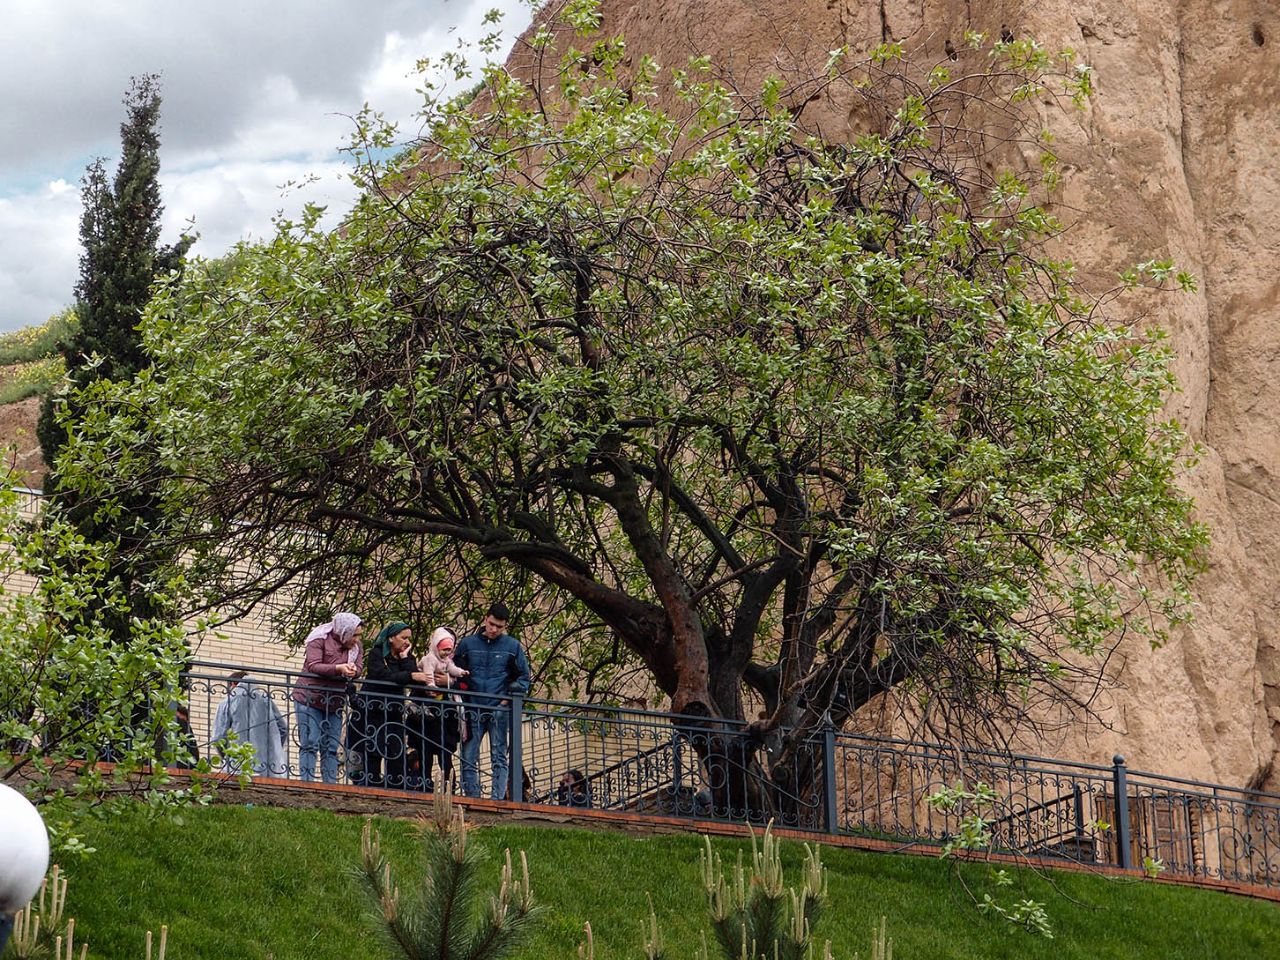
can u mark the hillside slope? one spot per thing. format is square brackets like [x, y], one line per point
[18, 427]
[277, 884]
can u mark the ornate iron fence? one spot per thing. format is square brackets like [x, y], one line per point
[1204, 830]
[658, 764]
[1036, 806]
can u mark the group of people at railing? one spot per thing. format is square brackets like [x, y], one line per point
[396, 717]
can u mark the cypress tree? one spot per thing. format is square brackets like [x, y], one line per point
[120, 258]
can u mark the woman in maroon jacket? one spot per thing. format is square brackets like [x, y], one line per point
[333, 657]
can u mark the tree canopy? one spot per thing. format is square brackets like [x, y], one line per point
[787, 421]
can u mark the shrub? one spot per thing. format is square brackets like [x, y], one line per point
[39, 342]
[444, 917]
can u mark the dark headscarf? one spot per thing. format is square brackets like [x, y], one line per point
[383, 643]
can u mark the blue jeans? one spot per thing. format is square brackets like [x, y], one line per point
[496, 723]
[318, 732]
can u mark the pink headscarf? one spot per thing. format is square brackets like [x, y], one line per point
[438, 634]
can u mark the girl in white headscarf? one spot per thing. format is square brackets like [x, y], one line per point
[443, 725]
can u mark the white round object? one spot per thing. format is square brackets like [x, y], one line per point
[24, 850]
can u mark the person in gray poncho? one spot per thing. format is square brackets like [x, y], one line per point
[250, 716]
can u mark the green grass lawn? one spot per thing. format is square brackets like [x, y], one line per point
[239, 882]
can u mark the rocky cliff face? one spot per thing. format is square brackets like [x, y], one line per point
[1174, 157]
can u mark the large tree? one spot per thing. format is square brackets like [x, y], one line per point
[121, 257]
[792, 423]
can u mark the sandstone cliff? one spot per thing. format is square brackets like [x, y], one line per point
[1174, 157]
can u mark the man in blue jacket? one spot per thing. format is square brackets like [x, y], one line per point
[499, 671]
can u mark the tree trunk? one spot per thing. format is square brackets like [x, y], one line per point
[749, 771]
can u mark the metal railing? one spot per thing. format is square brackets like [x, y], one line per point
[658, 764]
[1038, 806]
[1205, 830]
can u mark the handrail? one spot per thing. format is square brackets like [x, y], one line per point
[578, 711]
[647, 790]
[1203, 784]
[582, 711]
[995, 755]
[644, 754]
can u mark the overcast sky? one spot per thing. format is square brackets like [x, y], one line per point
[256, 94]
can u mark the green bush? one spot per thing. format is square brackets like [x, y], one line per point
[31, 378]
[38, 343]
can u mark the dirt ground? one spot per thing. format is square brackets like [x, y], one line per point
[18, 435]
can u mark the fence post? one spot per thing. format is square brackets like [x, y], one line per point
[517, 749]
[829, 774]
[677, 763]
[1120, 783]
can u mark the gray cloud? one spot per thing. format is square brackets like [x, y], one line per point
[255, 94]
[69, 62]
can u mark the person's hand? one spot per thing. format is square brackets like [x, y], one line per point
[347, 669]
[465, 673]
[420, 677]
[442, 678]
